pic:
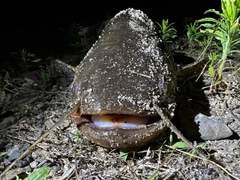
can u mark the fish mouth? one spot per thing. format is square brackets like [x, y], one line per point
[119, 130]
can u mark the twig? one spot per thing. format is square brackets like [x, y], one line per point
[37, 142]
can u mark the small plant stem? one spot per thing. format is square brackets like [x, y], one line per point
[224, 57]
[205, 49]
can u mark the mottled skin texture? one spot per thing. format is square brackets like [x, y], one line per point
[125, 72]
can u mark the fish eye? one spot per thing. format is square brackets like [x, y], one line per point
[74, 88]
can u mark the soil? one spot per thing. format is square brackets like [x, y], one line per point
[30, 107]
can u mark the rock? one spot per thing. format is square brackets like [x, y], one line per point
[12, 153]
[211, 128]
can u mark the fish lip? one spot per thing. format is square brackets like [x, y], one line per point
[126, 138]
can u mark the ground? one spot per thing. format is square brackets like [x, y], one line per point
[29, 107]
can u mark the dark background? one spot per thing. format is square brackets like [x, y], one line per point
[37, 26]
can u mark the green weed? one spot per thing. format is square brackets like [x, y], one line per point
[78, 137]
[167, 31]
[124, 154]
[2, 153]
[213, 57]
[225, 31]
[38, 174]
[27, 58]
[193, 34]
[184, 146]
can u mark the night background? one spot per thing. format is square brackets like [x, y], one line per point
[39, 27]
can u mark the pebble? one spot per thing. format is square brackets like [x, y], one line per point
[211, 128]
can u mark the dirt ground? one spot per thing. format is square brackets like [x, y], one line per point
[28, 111]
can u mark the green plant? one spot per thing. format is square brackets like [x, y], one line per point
[171, 139]
[123, 154]
[213, 57]
[38, 174]
[225, 30]
[184, 146]
[2, 153]
[167, 31]
[193, 33]
[152, 177]
[17, 178]
[78, 137]
[26, 57]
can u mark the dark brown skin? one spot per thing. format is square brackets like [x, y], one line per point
[125, 72]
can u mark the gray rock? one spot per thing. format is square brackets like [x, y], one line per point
[211, 128]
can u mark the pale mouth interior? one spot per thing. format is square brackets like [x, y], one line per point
[114, 120]
[119, 121]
